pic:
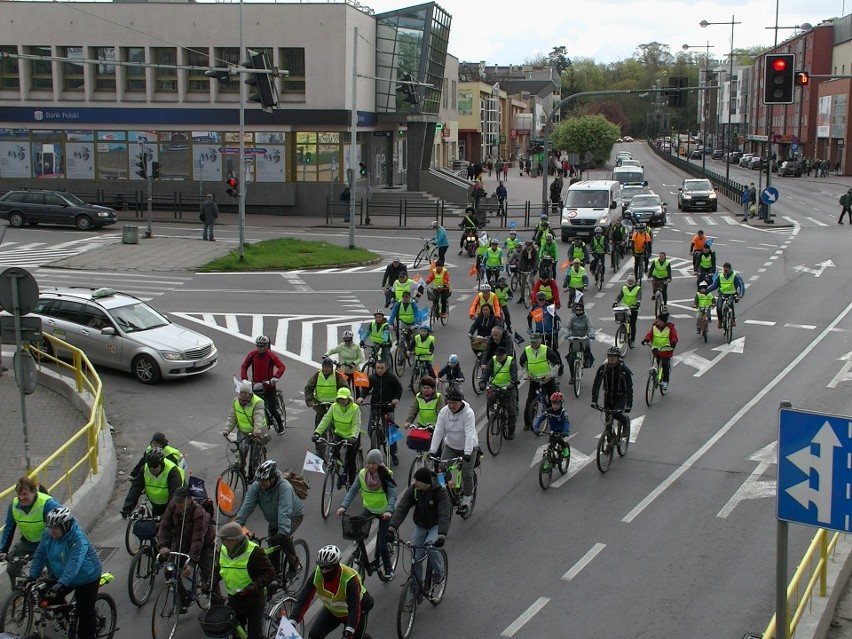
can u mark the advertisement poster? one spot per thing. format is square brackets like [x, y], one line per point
[823, 116]
[206, 166]
[15, 160]
[47, 160]
[80, 163]
[465, 102]
[269, 166]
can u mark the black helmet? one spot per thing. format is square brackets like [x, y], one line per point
[613, 351]
[155, 456]
[455, 395]
[266, 470]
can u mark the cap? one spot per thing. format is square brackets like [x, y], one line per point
[181, 493]
[245, 386]
[423, 475]
[344, 393]
[160, 438]
[375, 456]
[395, 259]
[231, 531]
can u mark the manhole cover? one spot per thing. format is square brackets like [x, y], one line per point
[104, 553]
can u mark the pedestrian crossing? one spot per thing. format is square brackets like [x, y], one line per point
[145, 287]
[372, 268]
[33, 254]
[708, 220]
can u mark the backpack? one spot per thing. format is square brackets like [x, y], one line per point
[844, 199]
[299, 483]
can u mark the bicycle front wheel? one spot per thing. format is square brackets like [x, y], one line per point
[418, 462]
[18, 614]
[421, 257]
[164, 620]
[623, 438]
[358, 563]
[275, 609]
[729, 325]
[545, 470]
[621, 340]
[105, 616]
[599, 276]
[651, 386]
[140, 578]
[258, 456]
[303, 555]
[578, 375]
[436, 592]
[400, 360]
[407, 609]
[494, 436]
[282, 407]
[328, 488]
[604, 453]
[564, 459]
[235, 481]
[476, 377]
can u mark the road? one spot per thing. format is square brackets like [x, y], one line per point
[676, 538]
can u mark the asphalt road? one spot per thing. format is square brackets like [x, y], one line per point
[677, 538]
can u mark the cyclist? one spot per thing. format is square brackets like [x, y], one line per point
[392, 272]
[385, 391]
[663, 339]
[547, 285]
[439, 278]
[455, 429]
[512, 242]
[703, 303]
[706, 264]
[480, 330]
[72, 561]
[499, 337]
[527, 261]
[27, 511]
[378, 495]
[249, 418]
[427, 404]
[266, 368]
[699, 241]
[578, 251]
[544, 320]
[576, 281]
[172, 454]
[548, 250]
[640, 242]
[482, 246]
[321, 389]
[431, 505]
[246, 570]
[380, 334]
[351, 355]
[660, 274]
[159, 479]
[404, 316]
[616, 379]
[452, 372]
[729, 284]
[542, 230]
[538, 360]
[344, 598]
[282, 509]
[599, 247]
[501, 371]
[580, 325]
[186, 527]
[485, 297]
[403, 284]
[424, 351]
[557, 421]
[630, 296]
[617, 240]
[492, 261]
[344, 418]
[468, 227]
[441, 240]
[504, 294]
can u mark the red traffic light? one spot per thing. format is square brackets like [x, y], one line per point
[779, 64]
[232, 182]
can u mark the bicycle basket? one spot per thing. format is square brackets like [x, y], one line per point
[217, 622]
[621, 314]
[145, 528]
[356, 528]
[430, 295]
[419, 440]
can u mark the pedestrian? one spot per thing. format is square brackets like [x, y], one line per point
[837, 167]
[345, 197]
[501, 194]
[565, 167]
[470, 172]
[506, 171]
[209, 213]
[441, 239]
[752, 200]
[527, 166]
[824, 168]
[520, 167]
[846, 206]
[489, 164]
[744, 201]
[498, 168]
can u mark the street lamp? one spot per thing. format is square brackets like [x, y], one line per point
[703, 95]
[704, 24]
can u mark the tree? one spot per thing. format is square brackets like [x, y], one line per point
[592, 135]
[654, 56]
[611, 110]
[559, 60]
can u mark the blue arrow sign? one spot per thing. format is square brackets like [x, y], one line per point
[769, 195]
[814, 480]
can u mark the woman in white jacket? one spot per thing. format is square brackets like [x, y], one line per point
[456, 428]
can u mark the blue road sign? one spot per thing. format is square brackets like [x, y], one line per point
[769, 195]
[814, 471]
[794, 147]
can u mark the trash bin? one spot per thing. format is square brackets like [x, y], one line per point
[130, 235]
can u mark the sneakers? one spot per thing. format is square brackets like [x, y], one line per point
[388, 574]
[664, 386]
[460, 252]
[464, 507]
[395, 460]
[341, 482]
[719, 324]
[279, 428]
[292, 571]
[437, 579]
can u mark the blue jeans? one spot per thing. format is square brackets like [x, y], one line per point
[421, 536]
[746, 206]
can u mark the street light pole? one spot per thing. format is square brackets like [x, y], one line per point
[353, 146]
[704, 24]
[241, 173]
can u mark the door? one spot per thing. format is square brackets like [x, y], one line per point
[55, 209]
[107, 347]
[34, 209]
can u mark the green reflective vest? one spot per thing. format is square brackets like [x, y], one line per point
[245, 414]
[31, 523]
[377, 332]
[326, 390]
[427, 411]
[502, 295]
[157, 486]
[399, 288]
[376, 501]
[577, 252]
[599, 245]
[630, 296]
[727, 286]
[502, 376]
[705, 261]
[512, 244]
[343, 420]
[660, 338]
[493, 257]
[537, 364]
[424, 348]
[659, 270]
[575, 277]
[335, 602]
[234, 570]
[406, 313]
[439, 279]
[704, 299]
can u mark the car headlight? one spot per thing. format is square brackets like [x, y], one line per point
[171, 355]
[712, 196]
[104, 213]
[686, 196]
[603, 219]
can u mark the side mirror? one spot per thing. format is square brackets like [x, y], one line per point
[679, 189]
[645, 183]
[612, 205]
[108, 330]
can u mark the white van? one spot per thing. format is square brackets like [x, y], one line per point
[588, 204]
[629, 175]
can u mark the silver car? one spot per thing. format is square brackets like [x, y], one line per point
[122, 332]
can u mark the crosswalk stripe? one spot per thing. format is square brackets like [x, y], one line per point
[709, 220]
[690, 221]
[817, 222]
[729, 220]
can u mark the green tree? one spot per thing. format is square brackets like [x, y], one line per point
[558, 59]
[613, 111]
[592, 135]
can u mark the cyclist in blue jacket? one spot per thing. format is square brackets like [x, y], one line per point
[557, 420]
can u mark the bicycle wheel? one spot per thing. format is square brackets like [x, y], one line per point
[105, 616]
[303, 554]
[234, 479]
[472, 496]
[623, 439]
[164, 620]
[368, 367]
[400, 360]
[658, 303]
[533, 410]
[650, 386]
[328, 486]
[578, 375]
[282, 407]
[599, 274]
[525, 292]
[564, 460]
[140, 578]
[545, 469]
[131, 542]
[357, 563]
[436, 592]
[494, 436]
[446, 316]
[18, 614]
[603, 458]
[729, 325]
[418, 462]
[433, 315]
[276, 608]
[621, 340]
[407, 609]
[258, 456]
[393, 549]
[476, 376]
[421, 257]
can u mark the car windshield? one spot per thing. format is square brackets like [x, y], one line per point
[587, 199]
[645, 200]
[73, 199]
[697, 185]
[137, 317]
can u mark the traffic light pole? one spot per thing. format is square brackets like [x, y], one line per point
[353, 140]
[241, 164]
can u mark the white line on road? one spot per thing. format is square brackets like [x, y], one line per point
[698, 454]
[730, 220]
[584, 561]
[809, 327]
[528, 614]
[760, 322]
[817, 222]
[753, 278]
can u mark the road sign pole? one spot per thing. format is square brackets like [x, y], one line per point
[20, 373]
[781, 629]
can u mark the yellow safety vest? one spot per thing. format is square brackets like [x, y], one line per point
[493, 258]
[704, 299]
[577, 252]
[727, 286]
[660, 337]
[659, 270]
[575, 277]
[171, 452]
[599, 244]
[406, 313]
[706, 261]
[335, 602]
[629, 296]
[376, 501]
[326, 390]
[245, 415]
[548, 292]
[427, 412]
[343, 420]
[377, 332]
[502, 376]
[423, 348]
[157, 486]
[537, 364]
[438, 279]
[234, 570]
[31, 523]
[399, 288]
[502, 295]
[511, 244]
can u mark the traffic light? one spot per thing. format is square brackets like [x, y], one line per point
[779, 78]
[222, 75]
[803, 78]
[363, 168]
[308, 157]
[141, 166]
[264, 89]
[155, 170]
[233, 186]
[407, 88]
[677, 97]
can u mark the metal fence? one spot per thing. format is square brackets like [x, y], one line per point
[403, 213]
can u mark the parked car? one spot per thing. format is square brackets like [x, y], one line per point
[790, 167]
[40, 206]
[630, 162]
[695, 155]
[627, 138]
[718, 154]
[745, 159]
[120, 331]
[648, 208]
[734, 157]
[695, 194]
[756, 162]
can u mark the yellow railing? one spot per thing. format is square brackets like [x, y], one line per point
[813, 567]
[86, 380]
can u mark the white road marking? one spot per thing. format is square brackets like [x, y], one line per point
[817, 222]
[809, 327]
[709, 220]
[690, 221]
[753, 487]
[528, 614]
[760, 322]
[584, 561]
[730, 220]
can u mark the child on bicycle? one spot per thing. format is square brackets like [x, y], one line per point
[703, 303]
[452, 372]
[557, 421]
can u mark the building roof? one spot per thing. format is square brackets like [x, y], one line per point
[540, 88]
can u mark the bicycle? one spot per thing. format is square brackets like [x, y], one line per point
[477, 345]
[553, 455]
[277, 607]
[449, 474]
[599, 271]
[658, 287]
[235, 476]
[335, 472]
[175, 598]
[357, 529]
[703, 321]
[727, 316]
[655, 377]
[144, 565]
[611, 440]
[290, 582]
[428, 253]
[416, 589]
[258, 389]
[403, 350]
[498, 418]
[639, 265]
[576, 355]
[370, 357]
[30, 608]
[142, 513]
[219, 620]
[377, 428]
[421, 369]
[522, 284]
[492, 274]
[541, 402]
[434, 312]
[616, 255]
[575, 295]
[623, 335]
[419, 440]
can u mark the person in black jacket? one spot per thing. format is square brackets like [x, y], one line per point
[392, 275]
[431, 505]
[385, 392]
[617, 381]
[499, 337]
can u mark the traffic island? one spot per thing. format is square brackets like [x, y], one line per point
[284, 254]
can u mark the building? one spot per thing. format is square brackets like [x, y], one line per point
[732, 105]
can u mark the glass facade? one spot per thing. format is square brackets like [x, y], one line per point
[9, 76]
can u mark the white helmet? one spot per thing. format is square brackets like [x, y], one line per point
[329, 556]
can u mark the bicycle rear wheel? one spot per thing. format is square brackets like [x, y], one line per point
[476, 376]
[650, 386]
[400, 360]
[357, 562]
[603, 459]
[621, 340]
[105, 616]
[472, 496]
[234, 479]
[303, 554]
[578, 375]
[563, 459]
[599, 273]
[623, 438]
[18, 614]
[494, 436]
[131, 541]
[328, 486]
[279, 607]
[436, 592]
[164, 620]
[729, 325]
[140, 578]
[545, 469]
[406, 610]
[421, 257]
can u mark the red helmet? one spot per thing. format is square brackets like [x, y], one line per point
[557, 397]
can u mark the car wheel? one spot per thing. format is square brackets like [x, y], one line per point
[679, 206]
[83, 223]
[16, 219]
[145, 369]
[715, 208]
[565, 237]
[41, 345]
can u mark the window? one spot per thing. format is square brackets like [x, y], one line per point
[222, 57]
[51, 199]
[69, 311]
[41, 71]
[306, 157]
[165, 79]
[9, 76]
[105, 68]
[72, 72]
[198, 82]
[293, 61]
[134, 76]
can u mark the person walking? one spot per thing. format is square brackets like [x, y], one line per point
[209, 213]
[744, 201]
[506, 171]
[846, 206]
[752, 200]
[501, 194]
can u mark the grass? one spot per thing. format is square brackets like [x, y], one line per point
[289, 253]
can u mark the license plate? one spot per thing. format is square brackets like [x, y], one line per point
[205, 362]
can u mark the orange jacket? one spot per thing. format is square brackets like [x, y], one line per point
[493, 301]
[431, 276]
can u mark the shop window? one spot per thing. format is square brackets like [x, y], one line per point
[165, 77]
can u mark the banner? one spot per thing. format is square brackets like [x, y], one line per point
[564, 266]
[80, 161]
[393, 434]
[362, 380]
[224, 497]
[286, 630]
[472, 271]
[537, 315]
[313, 463]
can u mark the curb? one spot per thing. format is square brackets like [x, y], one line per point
[311, 268]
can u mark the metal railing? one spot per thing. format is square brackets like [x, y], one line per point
[64, 471]
[812, 568]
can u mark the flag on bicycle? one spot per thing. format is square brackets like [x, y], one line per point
[224, 497]
[313, 463]
[393, 434]
[472, 271]
[361, 379]
[286, 629]
[422, 315]
[364, 331]
[564, 266]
